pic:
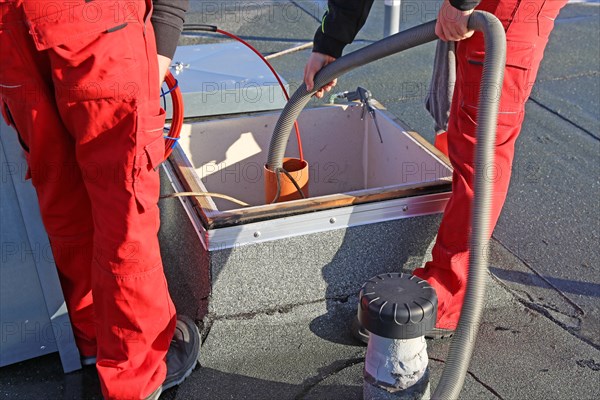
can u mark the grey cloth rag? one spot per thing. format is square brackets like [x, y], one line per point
[439, 95]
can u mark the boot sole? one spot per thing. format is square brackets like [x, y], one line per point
[176, 380]
[193, 360]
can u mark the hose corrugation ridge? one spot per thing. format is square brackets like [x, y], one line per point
[463, 342]
[393, 44]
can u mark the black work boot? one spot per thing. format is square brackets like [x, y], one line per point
[182, 356]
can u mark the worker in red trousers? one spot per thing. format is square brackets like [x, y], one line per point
[79, 83]
[528, 24]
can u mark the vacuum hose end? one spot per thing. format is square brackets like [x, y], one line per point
[463, 342]
[462, 345]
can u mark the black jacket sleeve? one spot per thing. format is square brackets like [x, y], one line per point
[340, 25]
[344, 18]
[464, 5]
[167, 20]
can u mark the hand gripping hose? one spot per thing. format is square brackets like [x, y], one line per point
[463, 343]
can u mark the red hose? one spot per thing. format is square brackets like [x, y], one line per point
[177, 98]
[177, 116]
[287, 97]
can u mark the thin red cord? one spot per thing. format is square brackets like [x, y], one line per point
[287, 97]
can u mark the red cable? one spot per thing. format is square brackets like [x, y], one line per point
[177, 98]
[287, 97]
[177, 116]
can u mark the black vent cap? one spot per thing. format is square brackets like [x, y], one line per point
[397, 306]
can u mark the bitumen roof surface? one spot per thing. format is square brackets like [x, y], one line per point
[540, 333]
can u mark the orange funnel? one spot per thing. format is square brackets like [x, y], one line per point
[298, 169]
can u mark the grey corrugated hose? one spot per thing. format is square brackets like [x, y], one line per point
[463, 342]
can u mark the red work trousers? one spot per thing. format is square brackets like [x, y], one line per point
[528, 24]
[79, 83]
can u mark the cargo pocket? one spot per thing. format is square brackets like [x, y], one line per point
[90, 49]
[150, 154]
[509, 118]
[70, 23]
[516, 86]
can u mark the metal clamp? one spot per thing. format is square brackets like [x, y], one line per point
[364, 96]
[179, 67]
